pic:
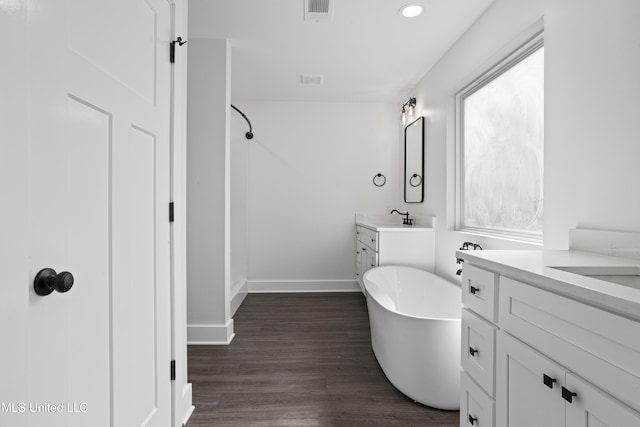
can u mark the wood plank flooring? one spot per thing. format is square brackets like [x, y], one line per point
[300, 360]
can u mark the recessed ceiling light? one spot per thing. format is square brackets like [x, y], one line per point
[410, 10]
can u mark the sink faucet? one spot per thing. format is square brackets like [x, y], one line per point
[406, 220]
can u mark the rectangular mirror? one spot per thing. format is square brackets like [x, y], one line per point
[414, 161]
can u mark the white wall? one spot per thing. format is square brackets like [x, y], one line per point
[239, 209]
[311, 167]
[592, 64]
[208, 192]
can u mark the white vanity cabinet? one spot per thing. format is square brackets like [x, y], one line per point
[532, 357]
[392, 245]
[366, 252]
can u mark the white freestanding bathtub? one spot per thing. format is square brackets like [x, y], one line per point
[415, 332]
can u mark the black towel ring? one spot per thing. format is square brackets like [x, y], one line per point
[384, 180]
[415, 175]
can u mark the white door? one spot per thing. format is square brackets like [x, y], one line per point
[592, 407]
[98, 104]
[524, 396]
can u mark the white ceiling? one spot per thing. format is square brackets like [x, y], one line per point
[367, 52]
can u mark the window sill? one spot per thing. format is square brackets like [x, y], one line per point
[533, 239]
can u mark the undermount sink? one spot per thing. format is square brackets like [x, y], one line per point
[622, 275]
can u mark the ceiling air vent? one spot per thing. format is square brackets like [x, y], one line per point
[318, 10]
[311, 79]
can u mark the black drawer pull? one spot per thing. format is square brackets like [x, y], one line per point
[472, 420]
[548, 381]
[473, 351]
[568, 395]
[474, 290]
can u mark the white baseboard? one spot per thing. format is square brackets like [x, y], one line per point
[185, 405]
[275, 286]
[210, 334]
[185, 420]
[238, 294]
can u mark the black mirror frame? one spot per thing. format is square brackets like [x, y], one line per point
[421, 119]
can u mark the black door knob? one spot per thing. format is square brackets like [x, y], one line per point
[47, 281]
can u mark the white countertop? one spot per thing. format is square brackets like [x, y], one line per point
[380, 226]
[536, 268]
[393, 222]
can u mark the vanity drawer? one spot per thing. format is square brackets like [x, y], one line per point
[367, 237]
[476, 407]
[479, 291]
[589, 341]
[478, 349]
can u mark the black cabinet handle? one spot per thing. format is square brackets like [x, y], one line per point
[47, 281]
[472, 420]
[474, 290]
[548, 381]
[568, 395]
[473, 351]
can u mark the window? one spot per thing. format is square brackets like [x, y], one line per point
[500, 142]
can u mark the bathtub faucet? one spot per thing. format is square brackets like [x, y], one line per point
[466, 245]
[459, 261]
[406, 220]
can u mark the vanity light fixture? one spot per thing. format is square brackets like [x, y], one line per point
[408, 111]
[410, 10]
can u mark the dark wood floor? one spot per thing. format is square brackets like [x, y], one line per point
[300, 360]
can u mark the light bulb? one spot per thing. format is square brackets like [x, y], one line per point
[410, 114]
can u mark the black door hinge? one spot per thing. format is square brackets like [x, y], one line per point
[172, 48]
[173, 370]
[171, 212]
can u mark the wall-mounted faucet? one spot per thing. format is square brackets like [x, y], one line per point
[406, 220]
